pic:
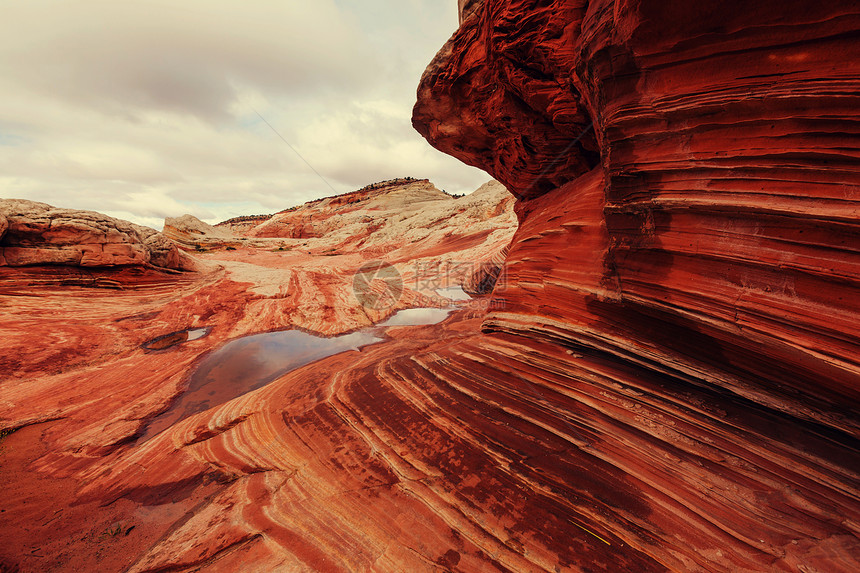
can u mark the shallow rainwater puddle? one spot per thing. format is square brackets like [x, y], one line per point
[417, 317]
[174, 338]
[454, 293]
[251, 362]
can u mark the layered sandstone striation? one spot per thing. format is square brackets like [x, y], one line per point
[730, 197]
[38, 234]
[710, 246]
[189, 231]
[79, 386]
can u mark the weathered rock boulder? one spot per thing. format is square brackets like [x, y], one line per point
[39, 234]
[190, 231]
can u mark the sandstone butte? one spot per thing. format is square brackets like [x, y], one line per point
[666, 379]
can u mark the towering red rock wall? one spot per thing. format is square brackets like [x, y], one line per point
[688, 179]
[728, 164]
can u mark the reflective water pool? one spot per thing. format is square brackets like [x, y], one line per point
[174, 338]
[417, 317]
[455, 293]
[251, 362]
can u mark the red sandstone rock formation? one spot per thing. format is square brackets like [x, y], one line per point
[730, 194]
[710, 246]
[667, 381]
[38, 234]
[189, 231]
[77, 385]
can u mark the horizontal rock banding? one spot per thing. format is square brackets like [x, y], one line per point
[713, 245]
[37, 234]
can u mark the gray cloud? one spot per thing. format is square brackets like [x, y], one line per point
[191, 59]
[150, 109]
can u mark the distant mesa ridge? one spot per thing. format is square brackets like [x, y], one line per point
[245, 219]
[372, 186]
[368, 215]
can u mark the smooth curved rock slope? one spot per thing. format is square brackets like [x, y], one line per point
[78, 387]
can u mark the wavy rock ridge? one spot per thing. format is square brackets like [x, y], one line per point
[78, 388]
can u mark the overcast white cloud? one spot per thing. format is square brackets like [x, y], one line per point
[144, 110]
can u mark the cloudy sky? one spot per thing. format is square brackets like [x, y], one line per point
[148, 109]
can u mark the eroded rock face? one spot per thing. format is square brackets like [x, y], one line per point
[39, 234]
[500, 95]
[707, 248]
[190, 231]
[390, 212]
